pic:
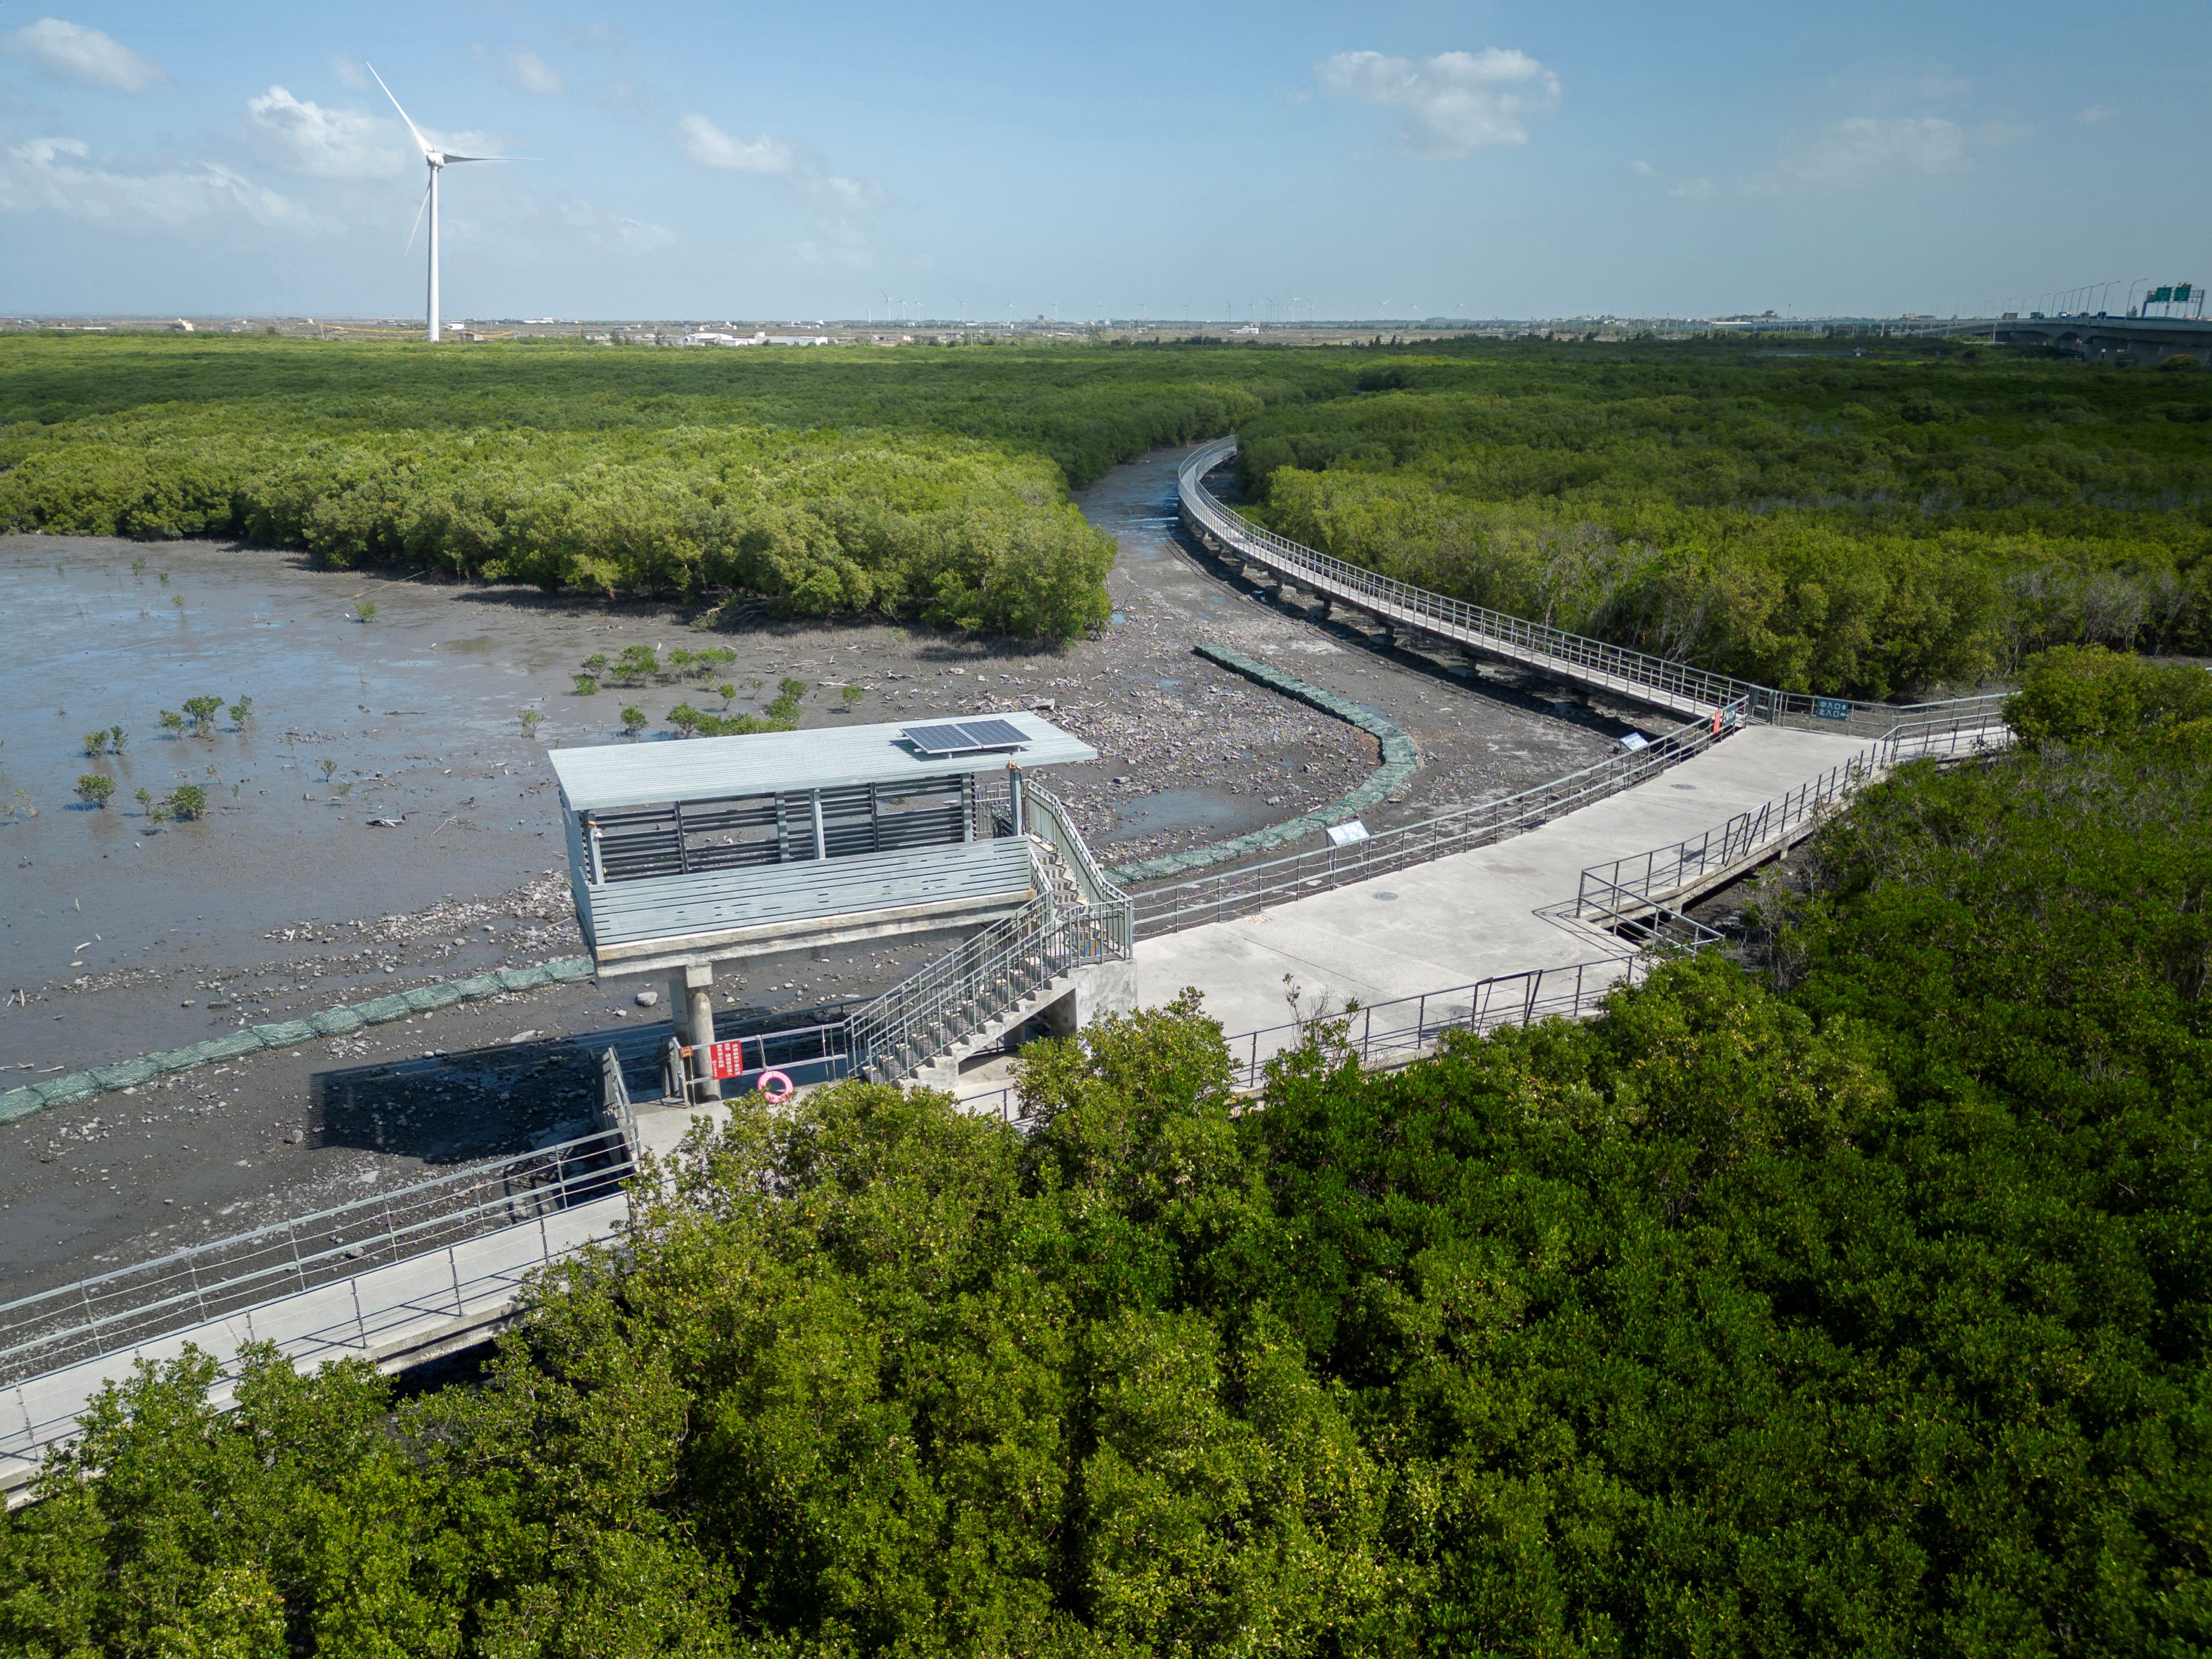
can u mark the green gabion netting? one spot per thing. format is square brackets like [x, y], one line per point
[255, 1039]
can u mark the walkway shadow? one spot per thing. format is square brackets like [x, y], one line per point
[505, 1098]
[496, 1101]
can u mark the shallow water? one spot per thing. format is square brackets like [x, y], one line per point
[416, 715]
[1189, 809]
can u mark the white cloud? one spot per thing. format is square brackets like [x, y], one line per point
[1690, 190]
[1452, 104]
[58, 175]
[853, 195]
[533, 74]
[1644, 169]
[614, 229]
[2097, 112]
[1866, 149]
[708, 146]
[349, 72]
[324, 144]
[69, 52]
[525, 69]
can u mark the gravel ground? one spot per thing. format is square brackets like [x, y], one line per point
[402, 863]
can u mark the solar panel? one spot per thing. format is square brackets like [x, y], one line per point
[964, 737]
[994, 734]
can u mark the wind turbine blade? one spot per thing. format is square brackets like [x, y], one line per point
[417, 225]
[411, 127]
[493, 158]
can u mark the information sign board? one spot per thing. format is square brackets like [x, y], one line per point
[1832, 708]
[728, 1057]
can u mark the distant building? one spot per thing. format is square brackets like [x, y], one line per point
[180, 326]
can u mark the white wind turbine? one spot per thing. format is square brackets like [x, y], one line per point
[437, 161]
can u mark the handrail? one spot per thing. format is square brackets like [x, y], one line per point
[1681, 686]
[1574, 990]
[1249, 887]
[1631, 891]
[130, 1305]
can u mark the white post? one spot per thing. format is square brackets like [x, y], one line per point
[433, 334]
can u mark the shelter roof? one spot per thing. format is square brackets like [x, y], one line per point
[828, 757]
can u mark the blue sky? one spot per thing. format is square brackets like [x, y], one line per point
[1484, 160]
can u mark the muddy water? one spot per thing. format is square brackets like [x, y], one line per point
[414, 713]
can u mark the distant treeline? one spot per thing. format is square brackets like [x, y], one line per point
[921, 484]
[1878, 525]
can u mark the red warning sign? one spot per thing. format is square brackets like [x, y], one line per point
[728, 1057]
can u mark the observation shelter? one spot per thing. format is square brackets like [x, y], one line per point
[685, 854]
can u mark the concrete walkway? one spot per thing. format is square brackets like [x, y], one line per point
[396, 1315]
[1473, 914]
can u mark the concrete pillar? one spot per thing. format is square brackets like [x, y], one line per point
[1015, 799]
[699, 987]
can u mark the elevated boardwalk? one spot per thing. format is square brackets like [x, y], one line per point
[1677, 688]
[1470, 915]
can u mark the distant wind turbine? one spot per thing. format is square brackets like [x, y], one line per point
[436, 159]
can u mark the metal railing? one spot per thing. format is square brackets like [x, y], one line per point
[1238, 892]
[1633, 892]
[1403, 1029]
[616, 1115]
[118, 1310]
[1050, 820]
[983, 980]
[1572, 656]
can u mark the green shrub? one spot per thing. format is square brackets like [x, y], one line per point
[94, 788]
[2087, 694]
[95, 744]
[587, 686]
[187, 800]
[634, 721]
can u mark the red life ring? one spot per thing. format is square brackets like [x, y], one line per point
[766, 1085]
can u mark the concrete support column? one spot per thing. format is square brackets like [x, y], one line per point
[699, 987]
[1016, 800]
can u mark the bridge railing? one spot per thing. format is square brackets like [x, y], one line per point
[1240, 891]
[1574, 655]
[114, 1312]
[1389, 1033]
[1632, 892]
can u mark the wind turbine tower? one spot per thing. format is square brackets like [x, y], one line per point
[437, 160]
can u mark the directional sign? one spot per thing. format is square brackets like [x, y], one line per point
[1832, 708]
[728, 1057]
